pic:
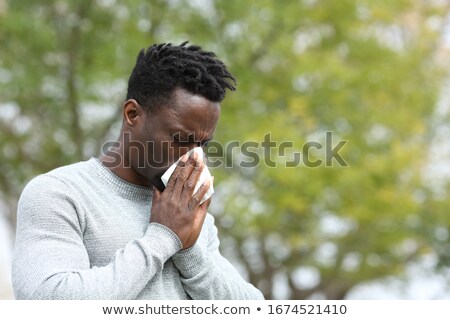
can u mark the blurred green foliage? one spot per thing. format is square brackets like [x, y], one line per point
[368, 71]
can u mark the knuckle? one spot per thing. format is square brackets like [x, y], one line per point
[203, 189]
[182, 176]
[189, 184]
[192, 162]
[172, 179]
[195, 199]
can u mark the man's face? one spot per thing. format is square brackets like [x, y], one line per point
[170, 131]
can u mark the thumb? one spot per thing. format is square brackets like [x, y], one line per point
[201, 215]
[202, 211]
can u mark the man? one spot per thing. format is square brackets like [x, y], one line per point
[107, 228]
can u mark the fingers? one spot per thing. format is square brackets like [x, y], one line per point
[199, 219]
[201, 215]
[194, 203]
[202, 212]
[191, 182]
[205, 205]
[173, 178]
[184, 175]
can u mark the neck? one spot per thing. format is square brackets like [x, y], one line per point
[116, 159]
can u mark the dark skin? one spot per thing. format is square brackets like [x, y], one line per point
[151, 141]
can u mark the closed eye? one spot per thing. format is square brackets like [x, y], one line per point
[183, 141]
[189, 140]
[204, 143]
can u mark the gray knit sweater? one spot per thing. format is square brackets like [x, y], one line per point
[84, 233]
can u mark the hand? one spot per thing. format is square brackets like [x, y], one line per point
[177, 207]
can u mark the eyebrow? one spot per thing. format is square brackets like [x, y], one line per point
[189, 137]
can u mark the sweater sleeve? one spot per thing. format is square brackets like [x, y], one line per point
[51, 262]
[206, 274]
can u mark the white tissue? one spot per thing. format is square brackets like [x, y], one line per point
[205, 175]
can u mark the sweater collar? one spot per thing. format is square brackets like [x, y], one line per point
[119, 185]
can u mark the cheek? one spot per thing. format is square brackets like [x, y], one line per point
[162, 153]
[177, 151]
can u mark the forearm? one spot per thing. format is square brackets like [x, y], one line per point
[50, 269]
[207, 275]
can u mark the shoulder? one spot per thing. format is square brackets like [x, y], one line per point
[59, 181]
[69, 173]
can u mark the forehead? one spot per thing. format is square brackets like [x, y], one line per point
[190, 113]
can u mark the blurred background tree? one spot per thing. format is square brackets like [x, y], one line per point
[370, 72]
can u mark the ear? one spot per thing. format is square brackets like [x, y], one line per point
[132, 112]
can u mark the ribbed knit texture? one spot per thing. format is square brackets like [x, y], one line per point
[84, 233]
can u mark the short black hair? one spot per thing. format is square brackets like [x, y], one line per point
[163, 67]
